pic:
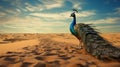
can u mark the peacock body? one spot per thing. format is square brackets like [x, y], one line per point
[93, 42]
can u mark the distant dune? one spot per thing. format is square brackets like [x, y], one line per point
[49, 50]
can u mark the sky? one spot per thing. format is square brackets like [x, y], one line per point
[53, 16]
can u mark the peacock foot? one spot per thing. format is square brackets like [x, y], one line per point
[79, 47]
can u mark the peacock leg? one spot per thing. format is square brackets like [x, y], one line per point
[80, 44]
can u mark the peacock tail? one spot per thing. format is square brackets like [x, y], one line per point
[95, 44]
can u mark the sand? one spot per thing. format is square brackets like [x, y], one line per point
[49, 50]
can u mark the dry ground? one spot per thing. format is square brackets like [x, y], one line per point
[49, 50]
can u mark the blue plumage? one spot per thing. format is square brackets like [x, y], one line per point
[72, 30]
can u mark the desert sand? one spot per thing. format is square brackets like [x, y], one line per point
[49, 50]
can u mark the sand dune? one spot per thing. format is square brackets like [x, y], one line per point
[49, 50]
[17, 45]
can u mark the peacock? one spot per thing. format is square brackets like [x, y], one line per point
[93, 43]
[72, 28]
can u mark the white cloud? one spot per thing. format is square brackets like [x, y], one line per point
[63, 15]
[105, 21]
[117, 11]
[32, 24]
[16, 3]
[107, 27]
[45, 5]
[76, 4]
[86, 13]
[52, 4]
[18, 10]
[31, 8]
[56, 16]
[2, 14]
[15, 12]
[12, 10]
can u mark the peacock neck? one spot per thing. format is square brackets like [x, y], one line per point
[72, 30]
[74, 20]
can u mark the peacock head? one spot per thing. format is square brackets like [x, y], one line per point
[73, 14]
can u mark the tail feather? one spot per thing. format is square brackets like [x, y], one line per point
[95, 44]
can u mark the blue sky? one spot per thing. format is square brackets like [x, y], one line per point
[53, 16]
